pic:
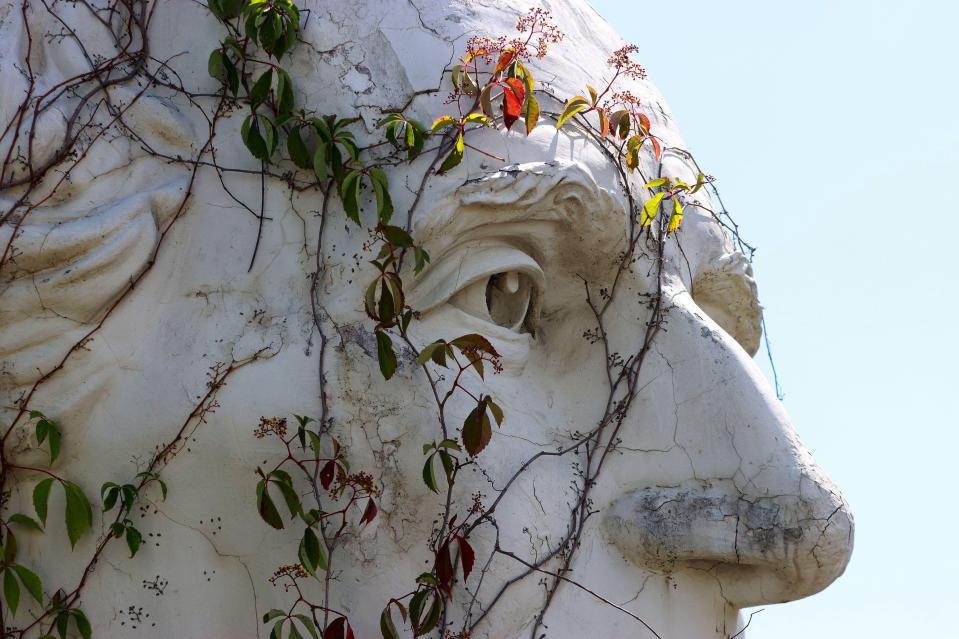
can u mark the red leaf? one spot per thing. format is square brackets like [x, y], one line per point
[513, 95]
[467, 556]
[657, 149]
[477, 431]
[370, 513]
[336, 629]
[444, 570]
[326, 474]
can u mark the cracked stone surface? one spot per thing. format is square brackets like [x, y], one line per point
[709, 502]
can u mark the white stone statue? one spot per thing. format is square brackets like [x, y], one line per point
[146, 305]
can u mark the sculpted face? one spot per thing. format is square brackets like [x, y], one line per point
[701, 499]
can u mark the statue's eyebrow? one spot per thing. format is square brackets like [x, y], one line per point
[557, 191]
[726, 291]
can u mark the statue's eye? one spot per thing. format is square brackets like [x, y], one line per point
[496, 283]
[506, 299]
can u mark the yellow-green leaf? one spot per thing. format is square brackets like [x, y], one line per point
[677, 217]
[651, 209]
[442, 122]
[532, 113]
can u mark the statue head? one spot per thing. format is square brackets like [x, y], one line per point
[634, 474]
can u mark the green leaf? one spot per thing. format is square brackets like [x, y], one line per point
[129, 493]
[250, 133]
[417, 603]
[319, 162]
[430, 352]
[30, 581]
[312, 552]
[397, 237]
[83, 624]
[422, 258]
[261, 88]
[284, 90]
[386, 307]
[414, 139]
[55, 438]
[448, 467]
[61, 622]
[266, 507]
[429, 477]
[387, 628]
[232, 76]
[289, 495]
[384, 204]
[336, 165]
[432, 617]
[111, 497]
[455, 156]
[134, 540]
[308, 624]
[651, 209]
[273, 614]
[23, 520]
[41, 497]
[384, 351]
[297, 149]
[351, 196]
[215, 65]
[269, 136]
[10, 548]
[79, 514]
[11, 591]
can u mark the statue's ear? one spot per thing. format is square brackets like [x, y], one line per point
[70, 266]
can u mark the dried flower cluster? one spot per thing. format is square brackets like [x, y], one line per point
[271, 426]
[540, 33]
[621, 61]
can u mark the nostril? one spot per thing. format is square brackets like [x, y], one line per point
[764, 549]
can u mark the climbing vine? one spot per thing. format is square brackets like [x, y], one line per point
[311, 485]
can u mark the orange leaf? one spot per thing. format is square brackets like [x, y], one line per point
[474, 54]
[504, 61]
[657, 149]
[603, 123]
[644, 122]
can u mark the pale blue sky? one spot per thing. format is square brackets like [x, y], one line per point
[833, 128]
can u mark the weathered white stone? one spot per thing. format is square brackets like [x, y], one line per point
[710, 502]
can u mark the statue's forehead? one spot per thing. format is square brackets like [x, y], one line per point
[372, 55]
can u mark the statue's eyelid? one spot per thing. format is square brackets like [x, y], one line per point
[466, 265]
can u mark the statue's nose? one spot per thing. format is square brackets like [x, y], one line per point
[756, 508]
